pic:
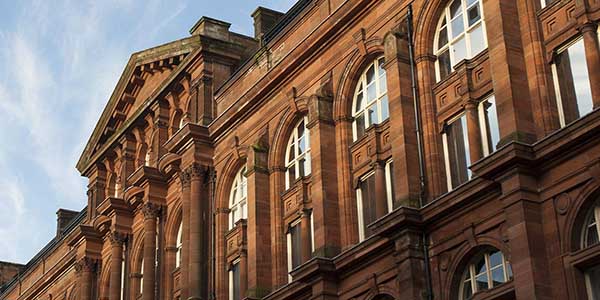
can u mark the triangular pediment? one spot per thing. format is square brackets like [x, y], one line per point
[143, 76]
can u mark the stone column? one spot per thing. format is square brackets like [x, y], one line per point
[117, 240]
[403, 136]
[509, 76]
[324, 191]
[86, 268]
[475, 140]
[243, 274]
[524, 227]
[259, 258]
[151, 212]
[592, 55]
[305, 235]
[184, 177]
[381, 205]
[199, 214]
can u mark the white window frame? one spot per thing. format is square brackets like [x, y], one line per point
[289, 246]
[359, 206]
[179, 245]
[380, 94]
[230, 272]
[488, 271]
[594, 214]
[447, 153]
[298, 156]
[485, 135]
[466, 34]
[588, 282]
[141, 291]
[388, 185]
[556, 80]
[238, 198]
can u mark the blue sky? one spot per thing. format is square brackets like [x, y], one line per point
[59, 63]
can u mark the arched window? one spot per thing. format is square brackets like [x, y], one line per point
[238, 198]
[590, 234]
[460, 35]
[179, 245]
[485, 271]
[297, 155]
[591, 231]
[370, 104]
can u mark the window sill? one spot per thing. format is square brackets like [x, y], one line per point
[505, 291]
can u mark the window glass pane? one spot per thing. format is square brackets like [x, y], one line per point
[307, 168]
[292, 173]
[359, 102]
[477, 40]
[380, 63]
[367, 189]
[371, 92]
[593, 282]
[296, 246]
[455, 8]
[302, 144]
[443, 38]
[574, 82]
[473, 15]
[467, 290]
[495, 259]
[492, 127]
[301, 129]
[592, 236]
[360, 125]
[235, 270]
[482, 282]
[469, 2]
[370, 74]
[497, 276]
[509, 273]
[458, 151]
[480, 266]
[458, 26]
[373, 119]
[385, 110]
[382, 84]
[291, 153]
[460, 50]
[444, 64]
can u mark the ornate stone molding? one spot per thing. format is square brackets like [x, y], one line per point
[151, 210]
[116, 238]
[86, 264]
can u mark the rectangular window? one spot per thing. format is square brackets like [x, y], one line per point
[572, 83]
[294, 246]
[490, 130]
[365, 195]
[456, 152]
[366, 200]
[234, 281]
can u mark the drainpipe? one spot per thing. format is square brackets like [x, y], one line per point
[422, 183]
[213, 183]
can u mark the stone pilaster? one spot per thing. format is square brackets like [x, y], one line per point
[86, 271]
[592, 55]
[151, 213]
[473, 129]
[259, 228]
[324, 169]
[199, 232]
[185, 179]
[117, 241]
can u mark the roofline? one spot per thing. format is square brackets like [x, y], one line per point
[51, 246]
[135, 59]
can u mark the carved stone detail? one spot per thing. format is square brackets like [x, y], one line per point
[151, 210]
[86, 264]
[117, 238]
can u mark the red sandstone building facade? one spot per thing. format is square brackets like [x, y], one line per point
[358, 149]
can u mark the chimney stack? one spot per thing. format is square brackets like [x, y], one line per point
[264, 20]
[63, 218]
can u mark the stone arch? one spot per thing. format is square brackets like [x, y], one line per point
[426, 27]
[576, 215]
[103, 282]
[228, 172]
[347, 83]
[283, 131]
[463, 256]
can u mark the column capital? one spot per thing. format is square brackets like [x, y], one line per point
[151, 210]
[587, 27]
[116, 238]
[86, 264]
